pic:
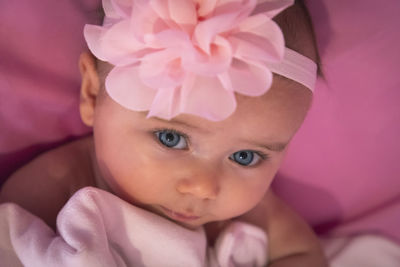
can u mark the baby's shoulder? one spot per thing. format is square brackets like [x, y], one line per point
[46, 183]
[65, 165]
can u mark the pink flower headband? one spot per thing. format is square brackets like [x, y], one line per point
[191, 56]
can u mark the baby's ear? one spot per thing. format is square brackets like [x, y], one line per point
[89, 88]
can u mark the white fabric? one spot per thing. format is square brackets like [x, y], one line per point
[96, 228]
[366, 250]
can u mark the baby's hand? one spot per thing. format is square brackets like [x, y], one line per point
[256, 216]
[213, 229]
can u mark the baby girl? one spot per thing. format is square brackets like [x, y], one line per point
[193, 104]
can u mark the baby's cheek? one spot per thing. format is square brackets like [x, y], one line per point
[247, 189]
[241, 199]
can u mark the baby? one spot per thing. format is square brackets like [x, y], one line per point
[194, 135]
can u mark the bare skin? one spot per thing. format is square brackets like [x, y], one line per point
[58, 174]
[202, 179]
[291, 241]
[44, 185]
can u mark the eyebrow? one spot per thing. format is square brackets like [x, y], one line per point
[274, 146]
[182, 123]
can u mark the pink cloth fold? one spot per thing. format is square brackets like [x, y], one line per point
[96, 228]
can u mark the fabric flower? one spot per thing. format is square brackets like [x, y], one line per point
[187, 56]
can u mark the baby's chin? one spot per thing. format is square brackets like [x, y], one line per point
[188, 223]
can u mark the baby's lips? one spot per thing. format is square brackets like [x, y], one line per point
[180, 216]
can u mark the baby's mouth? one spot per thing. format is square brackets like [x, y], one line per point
[177, 216]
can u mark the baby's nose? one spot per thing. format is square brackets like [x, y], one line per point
[202, 184]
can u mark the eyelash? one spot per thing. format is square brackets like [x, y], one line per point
[261, 154]
[185, 136]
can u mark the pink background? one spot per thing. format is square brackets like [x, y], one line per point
[341, 172]
[343, 164]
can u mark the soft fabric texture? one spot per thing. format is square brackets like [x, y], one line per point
[96, 228]
[366, 250]
[341, 171]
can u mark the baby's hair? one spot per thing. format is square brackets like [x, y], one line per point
[298, 31]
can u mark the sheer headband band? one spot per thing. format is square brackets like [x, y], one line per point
[192, 56]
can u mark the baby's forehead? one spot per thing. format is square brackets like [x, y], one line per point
[279, 112]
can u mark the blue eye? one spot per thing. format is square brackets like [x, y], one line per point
[171, 139]
[245, 157]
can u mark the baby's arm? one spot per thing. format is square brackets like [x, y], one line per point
[45, 184]
[34, 190]
[291, 241]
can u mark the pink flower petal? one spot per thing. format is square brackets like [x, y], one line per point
[183, 12]
[225, 17]
[249, 79]
[206, 7]
[218, 60]
[243, 8]
[187, 56]
[160, 7]
[162, 69]
[259, 38]
[162, 11]
[168, 39]
[205, 97]
[117, 8]
[109, 10]
[125, 87]
[206, 31]
[226, 81]
[119, 46]
[165, 104]
[93, 34]
[145, 20]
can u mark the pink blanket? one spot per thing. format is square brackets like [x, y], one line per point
[96, 228]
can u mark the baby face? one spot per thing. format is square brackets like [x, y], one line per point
[191, 170]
